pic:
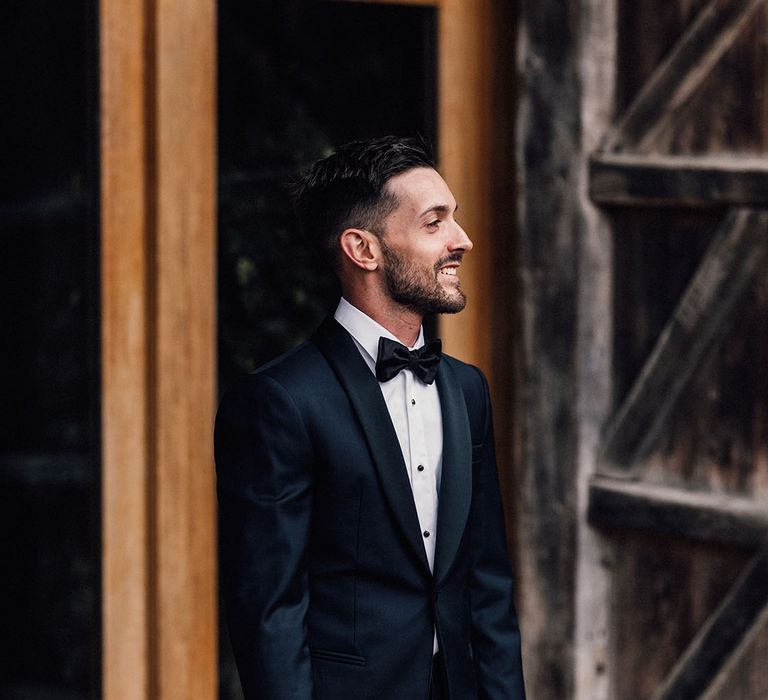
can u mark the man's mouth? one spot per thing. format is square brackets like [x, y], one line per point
[449, 266]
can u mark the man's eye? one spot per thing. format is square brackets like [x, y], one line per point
[434, 223]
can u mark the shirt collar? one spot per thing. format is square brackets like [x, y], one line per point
[365, 330]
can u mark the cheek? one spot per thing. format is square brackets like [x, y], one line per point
[424, 254]
[429, 255]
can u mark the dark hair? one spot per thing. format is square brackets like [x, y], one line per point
[348, 188]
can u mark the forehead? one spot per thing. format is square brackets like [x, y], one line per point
[420, 189]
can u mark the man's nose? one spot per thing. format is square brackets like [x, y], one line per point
[460, 239]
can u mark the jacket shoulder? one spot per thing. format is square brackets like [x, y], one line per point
[471, 378]
[296, 373]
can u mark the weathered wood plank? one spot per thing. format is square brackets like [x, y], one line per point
[680, 74]
[633, 180]
[721, 635]
[734, 257]
[707, 517]
[548, 235]
[592, 641]
[744, 674]
[664, 590]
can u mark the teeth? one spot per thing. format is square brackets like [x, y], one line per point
[449, 271]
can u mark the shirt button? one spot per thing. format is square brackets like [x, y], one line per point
[413, 402]
[425, 533]
[420, 467]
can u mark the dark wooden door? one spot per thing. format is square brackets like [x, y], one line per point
[640, 429]
[681, 484]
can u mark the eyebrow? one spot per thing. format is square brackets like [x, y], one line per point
[439, 209]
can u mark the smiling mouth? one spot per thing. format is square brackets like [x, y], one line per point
[449, 266]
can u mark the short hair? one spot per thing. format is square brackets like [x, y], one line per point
[348, 189]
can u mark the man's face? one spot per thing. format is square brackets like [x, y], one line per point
[422, 244]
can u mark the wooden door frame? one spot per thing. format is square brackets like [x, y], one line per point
[158, 295]
[158, 173]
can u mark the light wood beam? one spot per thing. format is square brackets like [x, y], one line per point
[184, 348]
[125, 313]
[158, 339]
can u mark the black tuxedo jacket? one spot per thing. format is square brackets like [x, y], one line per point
[326, 583]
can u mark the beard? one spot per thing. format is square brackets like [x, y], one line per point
[417, 288]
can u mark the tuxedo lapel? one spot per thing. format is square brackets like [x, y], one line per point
[456, 481]
[366, 398]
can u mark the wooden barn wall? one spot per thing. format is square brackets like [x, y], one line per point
[744, 676]
[715, 440]
[729, 112]
[545, 431]
[610, 608]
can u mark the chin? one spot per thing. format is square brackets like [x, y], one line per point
[452, 305]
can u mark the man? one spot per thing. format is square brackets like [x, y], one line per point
[362, 537]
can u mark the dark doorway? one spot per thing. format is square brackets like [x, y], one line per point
[297, 79]
[49, 372]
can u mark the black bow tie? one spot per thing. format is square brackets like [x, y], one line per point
[394, 356]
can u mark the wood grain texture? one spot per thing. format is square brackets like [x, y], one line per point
[633, 180]
[665, 94]
[721, 635]
[598, 79]
[717, 438]
[184, 355]
[728, 113]
[690, 82]
[735, 255]
[743, 674]
[124, 358]
[646, 32]
[158, 339]
[664, 590]
[705, 517]
[549, 220]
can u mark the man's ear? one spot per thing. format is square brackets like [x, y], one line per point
[361, 248]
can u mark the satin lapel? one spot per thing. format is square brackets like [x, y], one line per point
[456, 481]
[361, 386]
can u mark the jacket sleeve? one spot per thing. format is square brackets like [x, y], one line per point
[264, 484]
[495, 631]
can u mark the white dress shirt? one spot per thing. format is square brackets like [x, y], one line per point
[414, 408]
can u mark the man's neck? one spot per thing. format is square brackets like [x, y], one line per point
[403, 323]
